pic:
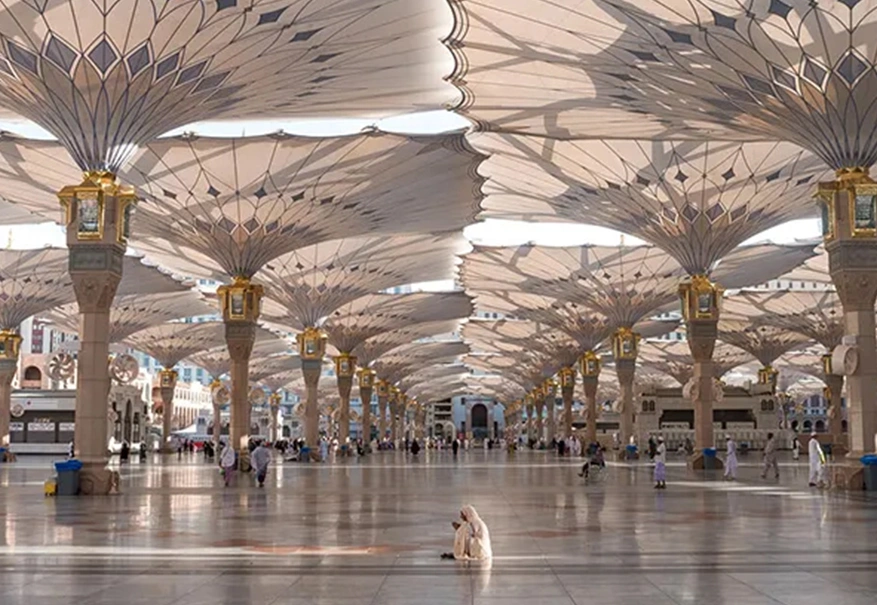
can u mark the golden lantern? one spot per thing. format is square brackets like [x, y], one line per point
[849, 206]
[589, 364]
[167, 379]
[625, 344]
[241, 300]
[701, 298]
[10, 344]
[383, 388]
[345, 365]
[567, 378]
[548, 388]
[767, 375]
[98, 209]
[311, 344]
[366, 378]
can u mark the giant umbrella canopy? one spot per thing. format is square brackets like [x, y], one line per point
[306, 286]
[788, 70]
[223, 209]
[698, 201]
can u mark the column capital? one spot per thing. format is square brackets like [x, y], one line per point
[625, 344]
[311, 343]
[701, 299]
[240, 301]
[345, 365]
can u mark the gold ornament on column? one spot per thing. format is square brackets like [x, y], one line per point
[98, 209]
[701, 299]
[168, 378]
[549, 388]
[567, 378]
[767, 375]
[345, 365]
[366, 378]
[311, 344]
[10, 344]
[827, 366]
[241, 300]
[625, 344]
[589, 364]
[853, 196]
[383, 388]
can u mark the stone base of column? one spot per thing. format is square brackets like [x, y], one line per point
[846, 475]
[697, 462]
[98, 480]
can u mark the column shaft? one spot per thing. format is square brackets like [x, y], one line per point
[217, 428]
[549, 406]
[702, 341]
[167, 407]
[345, 385]
[312, 370]
[590, 383]
[7, 373]
[382, 417]
[626, 370]
[239, 338]
[567, 393]
[540, 422]
[365, 395]
[835, 386]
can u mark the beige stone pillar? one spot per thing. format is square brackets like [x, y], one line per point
[217, 427]
[834, 394]
[97, 216]
[626, 371]
[239, 337]
[567, 393]
[312, 369]
[166, 385]
[548, 392]
[366, 387]
[531, 421]
[10, 342]
[849, 207]
[702, 341]
[383, 400]
[345, 370]
[539, 405]
[274, 407]
[590, 383]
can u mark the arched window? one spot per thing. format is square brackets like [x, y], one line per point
[33, 373]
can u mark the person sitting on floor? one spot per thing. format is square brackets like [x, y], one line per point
[471, 537]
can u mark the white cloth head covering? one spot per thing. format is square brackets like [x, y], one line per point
[813, 434]
[480, 547]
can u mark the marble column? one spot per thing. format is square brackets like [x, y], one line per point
[590, 383]
[835, 385]
[312, 369]
[8, 364]
[539, 405]
[567, 394]
[345, 386]
[274, 407]
[217, 428]
[239, 338]
[702, 336]
[167, 383]
[383, 400]
[468, 435]
[366, 388]
[531, 422]
[550, 415]
[626, 371]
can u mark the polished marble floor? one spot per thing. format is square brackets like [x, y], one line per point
[369, 532]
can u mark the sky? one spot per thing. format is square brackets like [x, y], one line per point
[490, 232]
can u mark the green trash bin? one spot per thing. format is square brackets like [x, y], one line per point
[709, 459]
[68, 477]
[870, 463]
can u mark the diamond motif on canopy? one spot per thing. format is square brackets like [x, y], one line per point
[170, 343]
[409, 358]
[815, 315]
[220, 208]
[698, 221]
[673, 357]
[791, 70]
[766, 343]
[131, 313]
[306, 286]
[106, 77]
[375, 314]
[217, 362]
[523, 339]
[386, 343]
[269, 366]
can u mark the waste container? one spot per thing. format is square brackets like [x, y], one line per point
[2, 454]
[305, 454]
[631, 452]
[68, 477]
[709, 459]
[870, 462]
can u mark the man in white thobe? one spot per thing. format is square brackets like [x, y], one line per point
[817, 461]
[730, 459]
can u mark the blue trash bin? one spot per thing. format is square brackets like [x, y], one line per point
[3, 451]
[870, 463]
[304, 454]
[68, 477]
[709, 459]
[631, 452]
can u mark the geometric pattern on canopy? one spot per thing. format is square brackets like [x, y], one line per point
[107, 76]
[219, 208]
[793, 70]
[439, 374]
[412, 357]
[32, 281]
[266, 367]
[759, 338]
[170, 343]
[815, 314]
[698, 201]
[375, 314]
[521, 338]
[673, 357]
[217, 361]
[308, 285]
[624, 284]
[386, 343]
[131, 313]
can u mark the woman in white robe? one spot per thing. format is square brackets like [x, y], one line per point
[471, 537]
